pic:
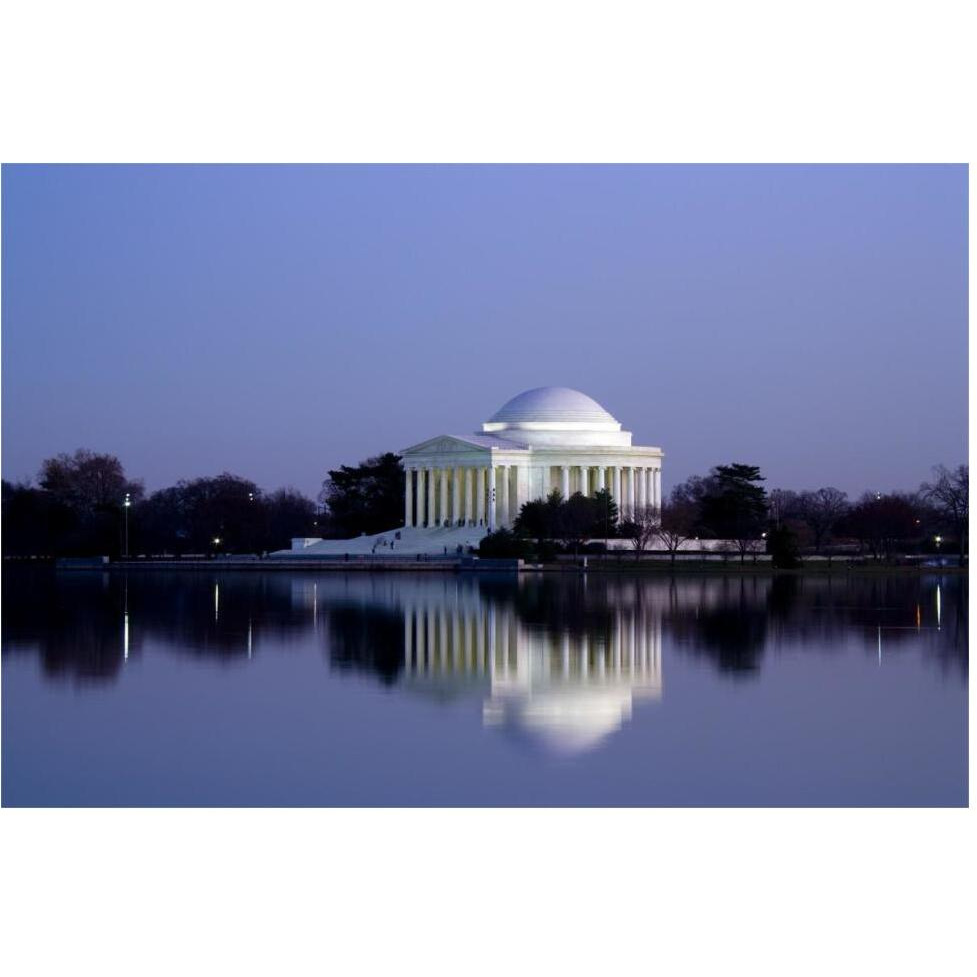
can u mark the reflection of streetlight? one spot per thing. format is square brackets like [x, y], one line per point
[125, 506]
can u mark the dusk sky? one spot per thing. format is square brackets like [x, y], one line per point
[279, 321]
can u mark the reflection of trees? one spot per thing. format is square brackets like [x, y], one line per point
[74, 625]
[367, 638]
[77, 621]
[559, 605]
[730, 631]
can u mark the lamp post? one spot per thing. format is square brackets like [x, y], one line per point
[125, 506]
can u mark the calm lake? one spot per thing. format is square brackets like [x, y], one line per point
[303, 688]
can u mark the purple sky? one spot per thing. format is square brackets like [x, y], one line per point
[279, 321]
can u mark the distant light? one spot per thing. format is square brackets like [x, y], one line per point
[763, 535]
[217, 541]
[939, 539]
[127, 502]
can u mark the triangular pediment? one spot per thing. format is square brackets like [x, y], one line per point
[444, 444]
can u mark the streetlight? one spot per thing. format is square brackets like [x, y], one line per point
[125, 506]
[937, 540]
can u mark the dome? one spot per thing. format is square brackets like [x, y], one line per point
[554, 408]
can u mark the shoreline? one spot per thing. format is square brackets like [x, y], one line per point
[456, 565]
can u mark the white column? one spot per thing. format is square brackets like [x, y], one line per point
[491, 498]
[616, 488]
[658, 488]
[443, 514]
[649, 486]
[468, 496]
[521, 489]
[430, 498]
[455, 496]
[584, 480]
[630, 491]
[480, 496]
[639, 489]
[408, 498]
[421, 496]
[565, 481]
[504, 471]
[601, 483]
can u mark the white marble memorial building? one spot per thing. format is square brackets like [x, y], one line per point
[461, 486]
[544, 439]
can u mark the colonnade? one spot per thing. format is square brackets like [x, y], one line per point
[491, 496]
[467, 496]
[630, 486]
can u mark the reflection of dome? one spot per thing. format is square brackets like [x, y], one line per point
[564, 720]
[554, 409]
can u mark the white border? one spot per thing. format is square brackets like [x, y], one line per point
[474, 891]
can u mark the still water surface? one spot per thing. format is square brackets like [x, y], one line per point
[286, 689]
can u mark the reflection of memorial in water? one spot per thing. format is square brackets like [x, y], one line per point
[562, 687]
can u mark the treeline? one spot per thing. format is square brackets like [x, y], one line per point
[79, 507]
[731, 504]
[84, 504]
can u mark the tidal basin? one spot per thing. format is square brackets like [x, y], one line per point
[328, 689]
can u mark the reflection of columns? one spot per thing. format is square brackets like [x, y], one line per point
[443, 513]
[430, 498]
[600, 477]
[468, 496]
[565, 481]
[408, 498]
[442, 639]
[456, 495]
[409, 638]
[430, 640]
[480, 496]
[421, 477]
[490, 654]
[480, 639]
[584, 486]
[491, 498]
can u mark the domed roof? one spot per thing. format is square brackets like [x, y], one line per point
[554, 405]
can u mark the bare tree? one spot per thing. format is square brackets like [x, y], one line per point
[784, 505]
[949, 494]
[676, 524]
[640, 527]
[821, 511]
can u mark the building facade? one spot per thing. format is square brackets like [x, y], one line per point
[543, 439]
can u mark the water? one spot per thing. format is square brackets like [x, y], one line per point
[287, 689]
